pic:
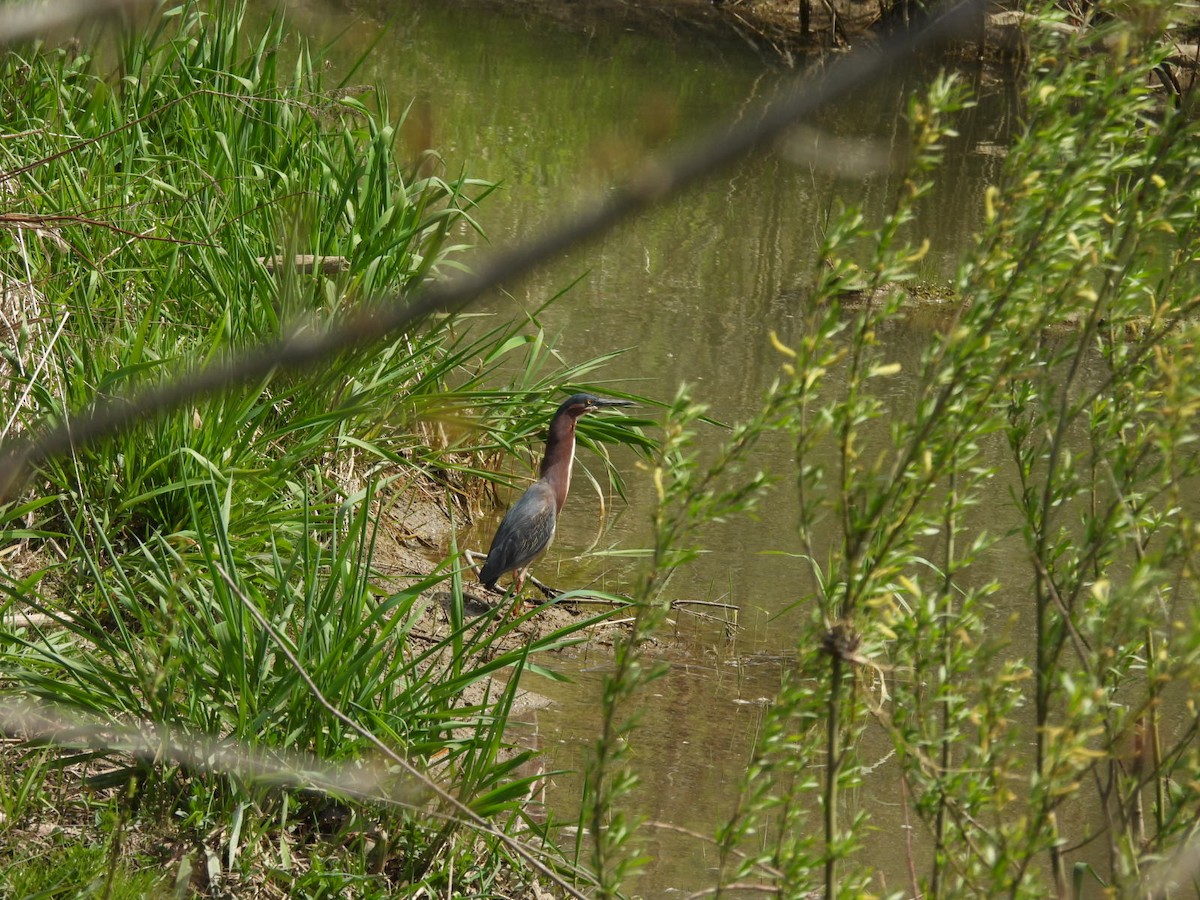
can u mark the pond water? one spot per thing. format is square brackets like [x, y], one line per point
[690, 292]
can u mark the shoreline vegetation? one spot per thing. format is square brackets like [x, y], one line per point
[228, 665]
[227, 669]
[779, 29]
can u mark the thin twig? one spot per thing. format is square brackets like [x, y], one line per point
[756, 887]
[155, 742]
[759, 864]
[40, 222]
[675, 604]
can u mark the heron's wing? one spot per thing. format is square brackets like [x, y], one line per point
[524, 534]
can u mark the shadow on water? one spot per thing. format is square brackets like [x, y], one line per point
[691, 291]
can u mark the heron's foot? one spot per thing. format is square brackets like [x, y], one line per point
[513, 592]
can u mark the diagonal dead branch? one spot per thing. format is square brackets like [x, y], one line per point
[655, 181]
[22, 21]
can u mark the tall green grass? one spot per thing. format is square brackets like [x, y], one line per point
[238, 684]
[207, 576]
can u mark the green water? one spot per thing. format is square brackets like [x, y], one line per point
[690, 292]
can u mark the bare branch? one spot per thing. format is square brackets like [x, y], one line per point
[23, 21]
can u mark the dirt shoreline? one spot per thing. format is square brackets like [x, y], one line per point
[413, 532]
[772, 29]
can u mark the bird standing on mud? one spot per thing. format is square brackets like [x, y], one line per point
[528, 526]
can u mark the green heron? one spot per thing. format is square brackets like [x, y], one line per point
[528, 526]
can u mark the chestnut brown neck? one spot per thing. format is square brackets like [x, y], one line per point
[560, 455]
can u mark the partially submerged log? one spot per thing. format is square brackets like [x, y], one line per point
[307, 263]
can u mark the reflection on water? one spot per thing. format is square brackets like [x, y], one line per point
[692, 290]
[690, 749]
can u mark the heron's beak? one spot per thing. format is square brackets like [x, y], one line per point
[601, 402]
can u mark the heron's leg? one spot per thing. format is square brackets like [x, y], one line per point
[518, 606]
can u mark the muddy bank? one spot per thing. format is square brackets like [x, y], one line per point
[784, 31]
[413, 532]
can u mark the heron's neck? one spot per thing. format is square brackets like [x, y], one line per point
[560, 455]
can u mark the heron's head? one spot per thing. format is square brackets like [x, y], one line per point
[579, 404]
